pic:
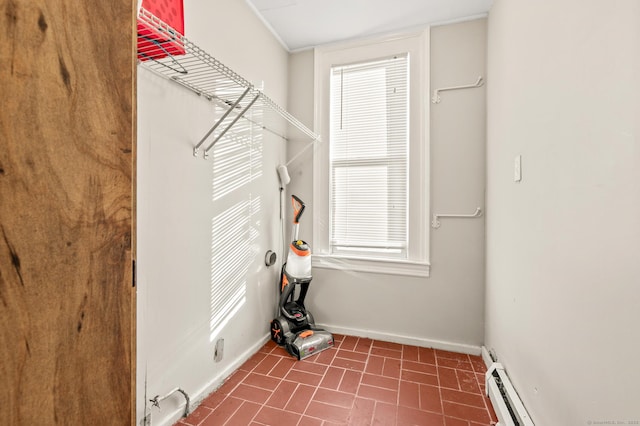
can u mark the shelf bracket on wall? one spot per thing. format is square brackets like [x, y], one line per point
[226, 129]
[435, 223]
[167, 53]
[436, 93]
[220, 120]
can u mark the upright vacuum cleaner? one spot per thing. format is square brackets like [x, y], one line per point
[295, 328]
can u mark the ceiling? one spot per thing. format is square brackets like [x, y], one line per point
[301, 24]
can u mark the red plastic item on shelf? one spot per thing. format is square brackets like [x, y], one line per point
[154, 43]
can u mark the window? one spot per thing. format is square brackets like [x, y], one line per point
[371, 170]
[368, 158]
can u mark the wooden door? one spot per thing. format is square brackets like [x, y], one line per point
[67, 123]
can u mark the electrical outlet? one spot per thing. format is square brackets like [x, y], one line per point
[219, 350]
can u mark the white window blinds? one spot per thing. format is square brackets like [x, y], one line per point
[369, 144]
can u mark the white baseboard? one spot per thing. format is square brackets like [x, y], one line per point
[196, 399]
[405, 340]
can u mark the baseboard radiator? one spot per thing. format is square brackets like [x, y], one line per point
[506, 402]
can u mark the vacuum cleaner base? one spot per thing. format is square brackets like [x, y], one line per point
[310, 342]
[300, 342]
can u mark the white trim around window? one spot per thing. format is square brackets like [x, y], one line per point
[416, 45]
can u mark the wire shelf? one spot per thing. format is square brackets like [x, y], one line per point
[166, 52]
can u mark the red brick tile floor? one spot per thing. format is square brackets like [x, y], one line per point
[358, 382]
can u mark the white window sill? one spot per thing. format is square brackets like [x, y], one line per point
[376, 266]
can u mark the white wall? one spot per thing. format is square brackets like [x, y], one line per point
[446, 309]
[183, 259]
[563, 245]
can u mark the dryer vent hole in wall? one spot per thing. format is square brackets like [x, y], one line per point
[219, 350]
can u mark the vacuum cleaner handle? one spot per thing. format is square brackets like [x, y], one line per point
[298, 208]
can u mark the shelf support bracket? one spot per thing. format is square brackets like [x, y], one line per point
[435, 223]
[215, 126]
[226, 129]
[436, 93]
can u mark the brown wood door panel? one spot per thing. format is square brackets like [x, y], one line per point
[67, 121]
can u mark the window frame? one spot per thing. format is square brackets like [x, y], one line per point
[416, 44]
